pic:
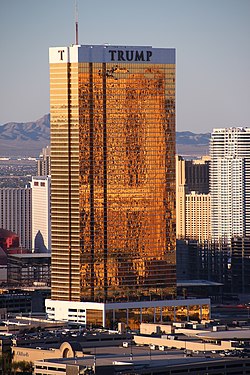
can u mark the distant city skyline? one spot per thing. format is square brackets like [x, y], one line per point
[212, 38]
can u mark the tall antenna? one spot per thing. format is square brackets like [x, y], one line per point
[76, 20]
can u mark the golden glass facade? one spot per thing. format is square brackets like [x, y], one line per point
[112, 180]
[134, 316]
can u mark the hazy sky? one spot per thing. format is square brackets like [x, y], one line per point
[212, 39]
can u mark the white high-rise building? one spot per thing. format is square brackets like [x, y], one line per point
[41, 227]
[15, 213]
[230, 183]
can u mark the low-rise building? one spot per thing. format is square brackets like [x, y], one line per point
[131, 313]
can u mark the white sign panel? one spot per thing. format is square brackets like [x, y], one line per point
[117, 54]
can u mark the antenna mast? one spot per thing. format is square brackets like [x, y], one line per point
[76, 21]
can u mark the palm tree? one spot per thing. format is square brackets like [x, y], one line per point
[26, 367]
[14, 367]
[23, 366]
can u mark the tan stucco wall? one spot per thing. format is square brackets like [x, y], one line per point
[34, 354]
[181, 344]
[148, 328]
[27, 354]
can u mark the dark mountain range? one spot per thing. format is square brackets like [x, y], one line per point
[28, 139]
[192, 145]
[189, 138]
[24, 139]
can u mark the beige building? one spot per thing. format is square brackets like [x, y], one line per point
[192, 199]
[43, 163]
[65, 350]
[197, 216]
[181, 189]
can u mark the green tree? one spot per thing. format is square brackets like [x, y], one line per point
[26, 367]
[5, 364]
[14, 367]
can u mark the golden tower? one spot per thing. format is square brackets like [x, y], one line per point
[112, 173]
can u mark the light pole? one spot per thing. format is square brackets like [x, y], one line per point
[94, 367]
[131, 350]
[248, 307]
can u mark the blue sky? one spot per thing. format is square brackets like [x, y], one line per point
[212, 39]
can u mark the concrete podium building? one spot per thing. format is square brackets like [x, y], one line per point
[112, 175]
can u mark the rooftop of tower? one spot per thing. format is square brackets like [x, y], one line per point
[109, 53]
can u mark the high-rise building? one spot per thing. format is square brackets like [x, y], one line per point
[15, 213]
[113, 172]
[181, 191]
[240, 264]
[198, 217]
[41, 220]
[230, 183]
[113, 184]
[192, 199]
[43, 163]
[197, 174]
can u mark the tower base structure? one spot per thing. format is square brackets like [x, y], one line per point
[132, 314]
